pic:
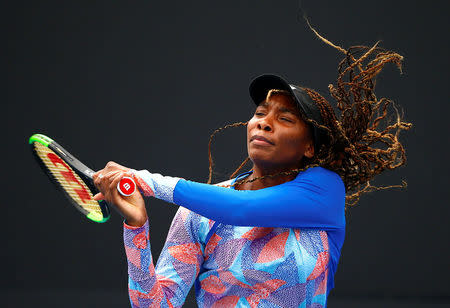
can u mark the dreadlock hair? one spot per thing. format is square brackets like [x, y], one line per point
[211, 163]
[363, 139]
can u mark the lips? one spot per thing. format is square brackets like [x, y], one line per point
[261, 138]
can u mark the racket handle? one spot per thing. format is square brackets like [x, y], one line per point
[126, 186]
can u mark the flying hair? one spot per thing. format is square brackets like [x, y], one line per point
[363, 135]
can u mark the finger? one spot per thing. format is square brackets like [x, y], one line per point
[115, 181]
[112, 164]
[110, 174]
[99, 197]
[104, 184]
[108, 182]
[96, 177]
[96, 174]
[105, 179]
[115, 166]
[117, 199]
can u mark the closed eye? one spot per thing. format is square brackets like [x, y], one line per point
[287, 120]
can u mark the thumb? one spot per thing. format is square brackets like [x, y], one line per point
[99, 197]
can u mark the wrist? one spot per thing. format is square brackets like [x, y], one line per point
[135, 223]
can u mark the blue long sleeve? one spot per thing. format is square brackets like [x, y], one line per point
[314, 199]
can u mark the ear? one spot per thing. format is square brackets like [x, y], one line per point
[309, 150]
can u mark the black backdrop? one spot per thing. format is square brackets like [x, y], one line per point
[144, 83]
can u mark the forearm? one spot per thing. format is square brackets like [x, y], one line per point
[144, 289]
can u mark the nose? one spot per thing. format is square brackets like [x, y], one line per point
[265, 124]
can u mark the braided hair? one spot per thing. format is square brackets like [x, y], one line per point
[363, 137]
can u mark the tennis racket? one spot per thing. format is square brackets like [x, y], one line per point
[74, 178]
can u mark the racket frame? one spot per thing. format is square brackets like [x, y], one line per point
[85, 173]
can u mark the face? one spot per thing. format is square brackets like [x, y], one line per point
[277, 137]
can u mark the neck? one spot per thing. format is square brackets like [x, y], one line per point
[268, 181]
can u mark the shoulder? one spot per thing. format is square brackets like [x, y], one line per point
[319, 172]
[324, 187]
[321, 176]
[324, 184]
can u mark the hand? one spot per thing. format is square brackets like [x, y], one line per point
[110, 167]
[132, 208]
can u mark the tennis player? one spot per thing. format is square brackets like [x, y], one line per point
[272, 236]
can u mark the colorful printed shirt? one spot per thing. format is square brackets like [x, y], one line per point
[241, 266]
[237, 267]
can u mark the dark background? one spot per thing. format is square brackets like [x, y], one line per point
[144, 83]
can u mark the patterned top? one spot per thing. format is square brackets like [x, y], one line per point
[231, 266]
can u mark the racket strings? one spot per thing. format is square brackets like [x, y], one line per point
[68, 179]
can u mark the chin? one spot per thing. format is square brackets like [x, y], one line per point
[260, 155]
[262, 159]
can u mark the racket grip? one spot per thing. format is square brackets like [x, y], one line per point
[126, 186]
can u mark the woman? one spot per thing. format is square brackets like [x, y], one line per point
[305, 161]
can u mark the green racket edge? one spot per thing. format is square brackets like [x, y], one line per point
[46, 141]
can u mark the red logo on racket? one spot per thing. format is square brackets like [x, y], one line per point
[126, 186]
[70, 177]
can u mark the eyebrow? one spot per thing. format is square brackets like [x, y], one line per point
[282, 109]
[289, 110]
